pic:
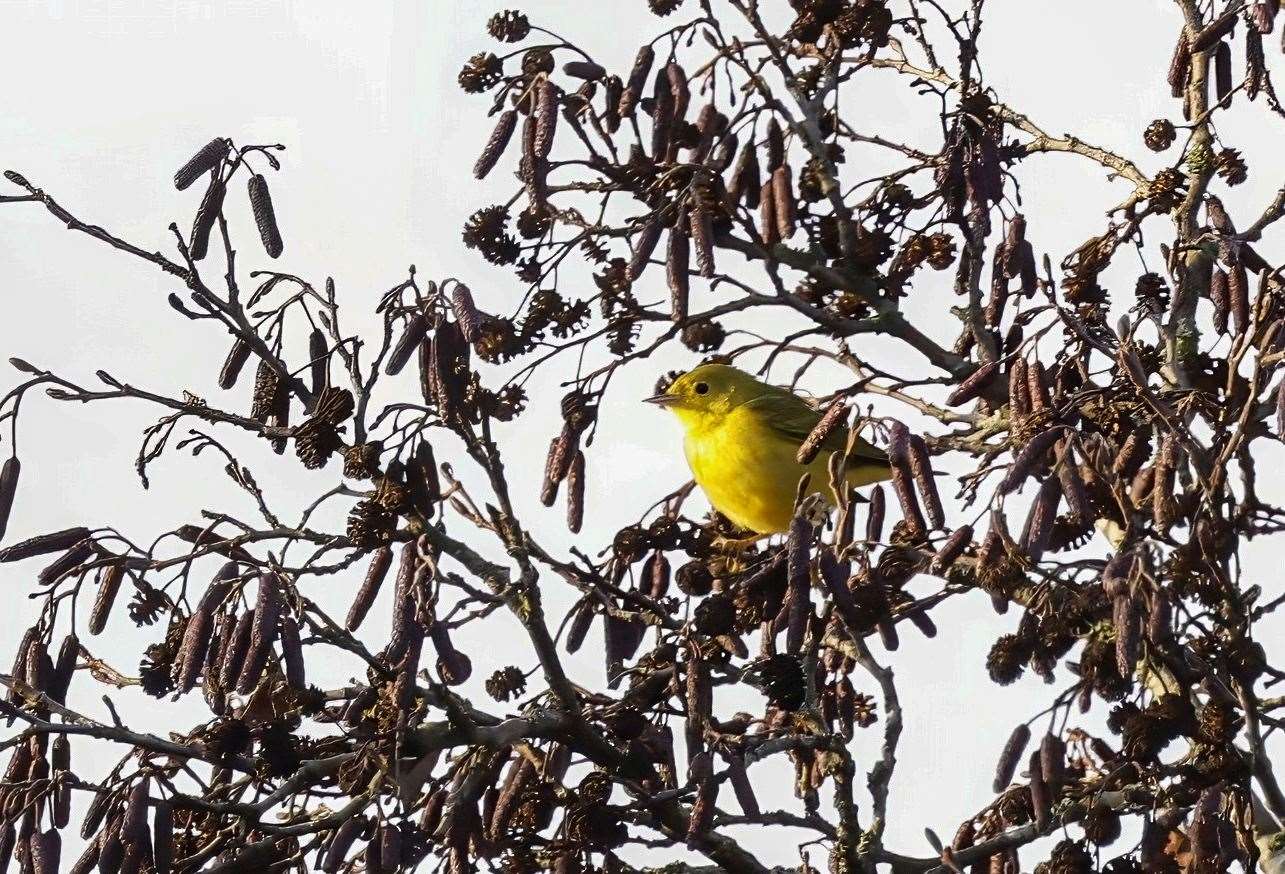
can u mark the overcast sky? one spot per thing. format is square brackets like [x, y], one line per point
[105, 98]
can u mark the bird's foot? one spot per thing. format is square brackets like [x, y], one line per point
[737, 545]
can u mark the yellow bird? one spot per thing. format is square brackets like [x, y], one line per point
[742, 439]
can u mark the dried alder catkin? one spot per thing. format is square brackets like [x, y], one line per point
[206, 214]
[637, 80]
[109, 580]
[643, 246]
[832, 421]
[1010, 756]
[576, 492]
[976, 383]
[702, 234]
[676, 272]
[952, 548]
[265, 217]
[496, 145]
[234, 363]
[210, 155]
[9, 472]
[410, 340]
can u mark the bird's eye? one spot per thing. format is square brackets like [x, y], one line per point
[702, 388]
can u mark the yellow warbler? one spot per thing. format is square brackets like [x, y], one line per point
[742, 441]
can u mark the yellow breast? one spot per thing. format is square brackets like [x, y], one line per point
[749, 472]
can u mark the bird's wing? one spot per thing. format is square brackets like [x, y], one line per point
[791, 417]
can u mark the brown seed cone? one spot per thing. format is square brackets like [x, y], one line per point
[638, 76]
[799, 592]
[676, 271]
[921, 468]
[746, 180]
[1019, 392]
[64, 668]
[1026, 462]
[562, 452]
[575, 492]
[1008, 759]
[209, 157]
[95, 812]
[974, 384]
[1041, 793]
[191, 656]
[676, 76]
[467, 315]
[162, 838]
[206, 214]
[834, 420]
[581, 622]
[133, 824]
[1039, 522]
[265, 217]
[1222, 72]
[698, 699]
[1180, 66]
[8, 489]
[1037, 387]
[45, 851]
[1052, 762]
[422, 481]
[44, 544]
[655, 575]
[497, 143]
[268, 608]
[769, 229]
[702, 234]
[643, 245]
[662, 118]
[775, 145]
[65, 563]
[903, 487]
[1220, 297]
[784, 205]
[999, 290]
[1133, 452]
[109, 580]
[233, 364]
[234, 657]
[1238, 295]
[408, 343]
[546, 118]
[875, 517]
[292, 654]
[1125, 619]
[380, 561]
[952, 548]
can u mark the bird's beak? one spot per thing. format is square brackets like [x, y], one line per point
[661, 400]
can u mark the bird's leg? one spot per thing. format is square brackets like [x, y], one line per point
[737, 545]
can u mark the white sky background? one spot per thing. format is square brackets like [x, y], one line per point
[105, 99]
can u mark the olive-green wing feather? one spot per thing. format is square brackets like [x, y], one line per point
[790, 416]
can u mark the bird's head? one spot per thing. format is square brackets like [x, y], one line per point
[708, 393]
